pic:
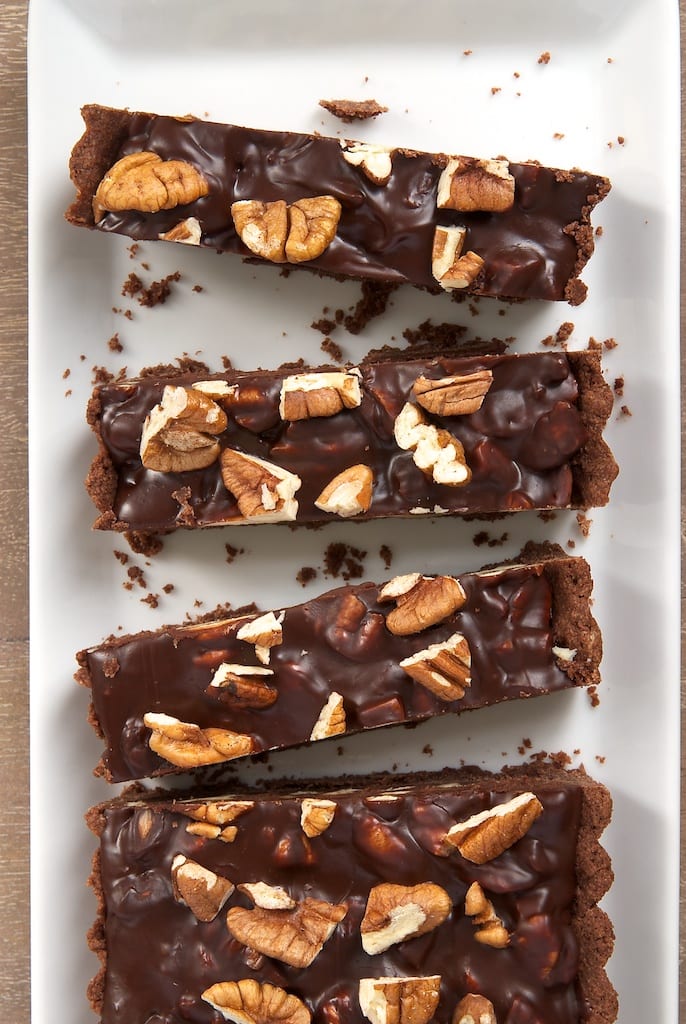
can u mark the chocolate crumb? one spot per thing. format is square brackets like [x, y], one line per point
[101, 375]
[621, 140]
[158, 292]
[198, 603]
[340, 751]
[114, 344]
[626, 411]
[495, 89]
[110, 667]
[473, 309]
[232, 552]
[145, 266]
[618, 386]
[544, 58]
[133, 250]
[306, 575]
[386, 555]
[515, 74]
[142, 543]
[564, 331]
[467, 53]
[332, 350]
[132, 285]
[428, 749]
[558, 135]
[600, 759]
[547, 515]
[483, 537]
[439, 335]
[372, 303]
[66, 373]
[127, 585]
[571, 544]
[599, 231]
[121, 556]
[594, 345]
[135, 574]
[197, 288]
[324, 326]
[186, 515]
[593, 696]
[168, 587]
[353, 110]
[610, 343]
[151, 599]
[584, 523]
[226, 363]
[82, 358]
[344, 560]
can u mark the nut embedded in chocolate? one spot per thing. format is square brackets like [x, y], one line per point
[147, 183]
[486, 835]
[474, 1009]
[316, 816]
[264, 632]
[421, 601]
[399, 1000]
[312, 227]
[481, 186]
[296, 937]
[331, 720]
[435, 451]
[375, 161]
[309, 395]
[443, 668]
[490, 930]
[249, 1002]
[187, 232]
[264, 492]
[395, 913]
[458, 395]
[180, 434]
[268, 897]
[202, 891]
[244, 685]
[349, 493]
[188, 746]
[262, 227]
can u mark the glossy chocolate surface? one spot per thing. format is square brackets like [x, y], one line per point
[160, 958]
[534, 250]
[519, 445]
[339, 643]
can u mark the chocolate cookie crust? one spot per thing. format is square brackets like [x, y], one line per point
[534, 249]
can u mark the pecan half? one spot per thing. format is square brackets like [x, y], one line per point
[316, 816]
[249, 1002]
[263, 491]
[399, 1000]
[244, 686]
[147, 183]
[395, 913]
[373, 160]
[262, 227]
[188, 746]
[443, 668]
[179, 434]
[474, 1009]
[187, 232]
[264, 632]
[490, 930]
[435, 451]
[421, 601]
[201, 890]
[486, 835]
[331, 720]
[313, 224]
[471, 185]
[349, 493]
[294, 936]
[310, 395]
[453, 396]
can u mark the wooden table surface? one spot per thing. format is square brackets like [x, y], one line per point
[14, 782]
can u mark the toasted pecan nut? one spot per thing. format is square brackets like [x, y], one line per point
[313, 224]
[470, 185]
[188, 746]
[316, 816]
[296, 937]
[373, 160]
[244, 685]
[453, 396]
[201, 890]
[443, 668]
[421, 601]
[395, 913]
[474, 1009]
[268, 897]
[463, 271]
[262, 227]
[490, 930]
[436, 452]
[180, 433]
[264, 632]
[349, 493]
[187, 232]
[331, 720]
[249, 1002]
[310, 395]
[263, 491]
[399, 1000]
[486, 835]
[147, 183]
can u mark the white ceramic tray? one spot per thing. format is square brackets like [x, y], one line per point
[613, 72]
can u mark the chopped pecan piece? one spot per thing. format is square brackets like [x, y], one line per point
[249, 1002]
[399, 1000]
[268, 897]
[188, 746]
[453, 396]
[470, 185]
[263, 491]
[486, 835]
[444, 668]
[217, 812]
[436, 452]
[373, 160]
[244, 686]
[474, 1009]
[489, 928]
[421, 601]
[331, 720]
[179, 434]
[463, 271]
[187, 231]
[264, 632]
[316, 816]
[349, 493]
[310, 395]
[395, 913]
[146, 182]
[294, 936]
[201, 890]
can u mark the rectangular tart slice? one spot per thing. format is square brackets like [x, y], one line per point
[461, 896]
[355, 658]
[451, 434]
[487, 227]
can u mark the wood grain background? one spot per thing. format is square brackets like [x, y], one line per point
[14, 784]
